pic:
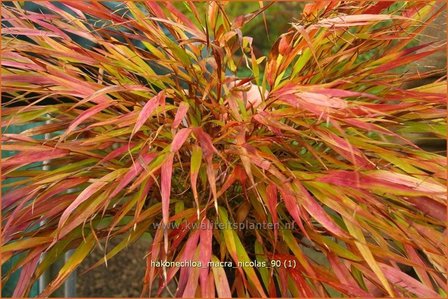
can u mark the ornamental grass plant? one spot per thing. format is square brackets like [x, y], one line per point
[143, 125]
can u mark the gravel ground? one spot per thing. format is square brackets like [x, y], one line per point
[123, 277]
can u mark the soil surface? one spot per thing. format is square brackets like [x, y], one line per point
[123, 276]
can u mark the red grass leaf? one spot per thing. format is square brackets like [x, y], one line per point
[25, 277]
[28, 32]
[189, 250]
[430, 207]
[181, 112]
[61, 186]
[206, 142]
[13, 196]
[117, 152]
[179, 139]
[414, 256]
[301, 283]
[147, 110]
[407, 282]
[196, 159]
[133, 172]
[85, 115]
[28, 158]
[293, 208]
[271, 193]
[165, 181]
[205, 248]
[221, 282]
[378, 7]
[85, 195]
[153, 257]
[238, 174]
[404, 61]
[318, 212]
[345, 149]
[28, 78]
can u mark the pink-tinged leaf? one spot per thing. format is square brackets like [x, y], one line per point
[205, 247]
[147, 110]
[208, 149]
[238, 174]
[94, 9]
[377, 179]
[28, 158]
[206, 142]
[30, 79]
[185, 20]
[23, 66]
[192, 283]
[28, 32]
[221, 282]
[181, 112]
[345, 149]
[50, 210]
[406, 181]
[341, 93]
[430, 207]
[271, 193]
[99, 96]
[320, 100]
[211, 176]
[367, 126]
[155, 9]
[407, 282]
[256, 158]
[293, 208]
[318, 212]
[301, 283]
[285, 44]
[85, 195]
[210, 287]
[414, 256]
[414, 49]
[189, 250]
[179, 139]
[30, 214]
[134, 171]
[32, 254]
[346, 278]
[378, 7]
[152, 257]
[50, 27]
[404, 61]
[354, 20]
[165, 182]
[15, 212]
[339, 268]
[25, 277]
[344, 178]
[195, 165]
[117, 152]
[12, 196]
[19, 137]
[62, 186]
[85, 115]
